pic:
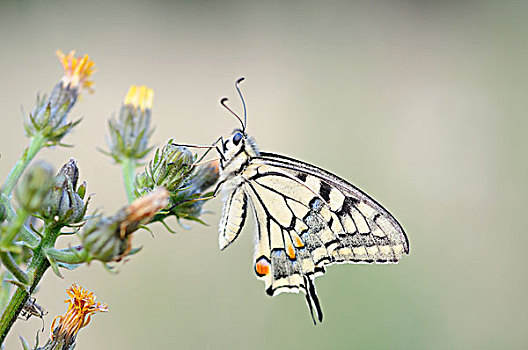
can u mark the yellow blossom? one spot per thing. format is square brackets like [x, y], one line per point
[77, 70]
[139, 96]
[81, 307]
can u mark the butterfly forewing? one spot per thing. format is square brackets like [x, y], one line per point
[353, 216]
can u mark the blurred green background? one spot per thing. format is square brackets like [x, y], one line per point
[422, 104]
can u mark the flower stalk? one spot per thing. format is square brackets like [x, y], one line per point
[37, 142]
[128, 168]
[36, 269]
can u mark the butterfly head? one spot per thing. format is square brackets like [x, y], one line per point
[237, 143]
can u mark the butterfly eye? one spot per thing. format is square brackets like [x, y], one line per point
[236, 138]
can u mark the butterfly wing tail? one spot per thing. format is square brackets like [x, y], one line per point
[312, 300]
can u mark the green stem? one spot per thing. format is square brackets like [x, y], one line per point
[38, 141]
[14, 227]
[69, 256]
[128, 167]
[27, 236]
[11, 266]
[36, 269]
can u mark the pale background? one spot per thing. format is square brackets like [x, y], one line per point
[422, 104]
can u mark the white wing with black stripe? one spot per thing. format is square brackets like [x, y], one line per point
[306, 217]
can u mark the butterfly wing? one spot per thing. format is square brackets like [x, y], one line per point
[359, 214]
[308, 218]
[234, 215]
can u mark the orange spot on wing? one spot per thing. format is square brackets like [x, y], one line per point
[262, 267]
[298, 242]
[291, 252]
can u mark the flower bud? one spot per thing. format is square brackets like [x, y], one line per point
[48, 118]
[100, 237]
[64, 204]
[204, 177]
[130, 132]
[195, 187]
[169, 168]
[109, 238]
[33, 188]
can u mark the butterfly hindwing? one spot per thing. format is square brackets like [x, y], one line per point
[233, 218]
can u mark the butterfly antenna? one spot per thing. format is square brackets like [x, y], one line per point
[223, 103]
[237, 83]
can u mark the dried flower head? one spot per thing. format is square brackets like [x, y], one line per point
[82, 306]
[143, 209]
[77, 71]
[109, 238]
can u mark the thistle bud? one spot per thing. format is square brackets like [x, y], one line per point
[204, 177]
[195, 187]
[169, 168]
[130, 132]
[99, 236]
[109, 238]
[33, 188]
[48, 118]
[65, 203]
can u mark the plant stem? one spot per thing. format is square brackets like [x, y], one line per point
[69, 256]
[37, 142]
[38, 265]
[14, 227]
[27, 236]
[11, 266]
[128, 167]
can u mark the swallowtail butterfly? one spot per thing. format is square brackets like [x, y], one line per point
[307, 218]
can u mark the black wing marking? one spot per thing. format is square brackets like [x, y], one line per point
[356, 196]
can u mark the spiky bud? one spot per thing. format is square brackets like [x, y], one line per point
[130, 132]
[49, 117]
[65, 203]
[169, 168]
[33, 188]
[109, 238]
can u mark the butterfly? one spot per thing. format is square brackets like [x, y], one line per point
[307, 218]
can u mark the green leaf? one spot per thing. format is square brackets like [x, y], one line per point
[25, 344]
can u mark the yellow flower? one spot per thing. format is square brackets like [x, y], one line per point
[139, 96]
[82, 307]
[77, 71]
